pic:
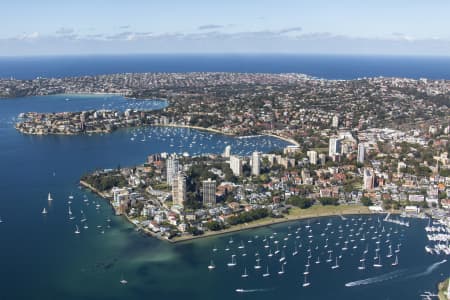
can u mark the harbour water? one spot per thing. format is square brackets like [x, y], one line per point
[43, 258]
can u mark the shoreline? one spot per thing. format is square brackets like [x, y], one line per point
[274, 221]
[286, 139]
[289, 140]
[309, 213]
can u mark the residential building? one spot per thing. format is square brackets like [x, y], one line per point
[312, 155]
[209, 192]
[256, 163]
[172, 168]
[236, 165]
[334, 146]
[369, 180]
[361, 153]
[179, 189]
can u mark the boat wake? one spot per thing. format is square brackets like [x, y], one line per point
[251, 290]
[429, 270]
[396, 274]
[371, 280]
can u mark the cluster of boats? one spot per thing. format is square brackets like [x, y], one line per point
[312, 244]
[438, 233]
[181, 140]
[83, 218]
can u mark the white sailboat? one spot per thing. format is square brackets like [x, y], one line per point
[241, 246]
[267, 274]
[245, 275]
[44, 211]
[211, 266]
[295, 252]
[329, 257]
[77, 230]
[336, 265]
[281, 272]
[277, 250]
[378, 265]
[306, 272]
[396, 261]
[305, 282]
[257, 266]
[390, 252]
[233, 261]
[362, 266]
[49, 197]
[123, 281]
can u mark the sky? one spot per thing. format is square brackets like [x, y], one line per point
[384, 27]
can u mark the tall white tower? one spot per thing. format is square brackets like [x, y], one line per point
[256, 163]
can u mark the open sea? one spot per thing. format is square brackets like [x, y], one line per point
[42, 258]
[323, 66]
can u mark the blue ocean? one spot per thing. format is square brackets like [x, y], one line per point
[323, 66]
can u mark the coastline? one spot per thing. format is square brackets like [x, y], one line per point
[289, 140]
[296, 214]
[309, 213]
[286, 139]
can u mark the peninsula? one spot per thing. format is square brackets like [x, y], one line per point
[377, 142]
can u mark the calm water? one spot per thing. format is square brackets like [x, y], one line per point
[324, 66]
[42, 258]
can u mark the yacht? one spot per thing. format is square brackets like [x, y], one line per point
[305, 282]
[306, 272]
[396, 261]
[245, 275]
[257, 266]
[318, 260]
[123, 281]
[378, 265]
[336, 265]
[241, 246]
[267, 274]
[211, 266]
[281, 272]
[390, 252]
[233, 261]
[362, 266]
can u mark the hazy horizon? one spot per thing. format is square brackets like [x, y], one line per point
[349, 27]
